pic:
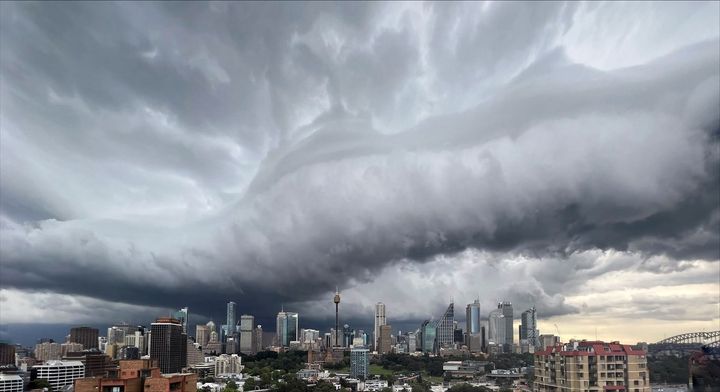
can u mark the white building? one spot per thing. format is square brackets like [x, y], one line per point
[48, 351]
[375, 385]
[11, 383]
[228, 364]
[60, 373]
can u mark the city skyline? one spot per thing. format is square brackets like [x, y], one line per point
[178, 158]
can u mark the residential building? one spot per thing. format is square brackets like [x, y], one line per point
[247, 336]
[202, 334]
[359, 362]
[259, 339]
[385, 342]
[380, 320]
[228, 364]
[168, 345]
[591, 366]
[48, 351]
[86, 336]
[7, 354]
[445, 329]
[11, 383]
[138, 376]
[194, 355]
[66, 348]
[548, 341]
[59, 374]
[411, 342]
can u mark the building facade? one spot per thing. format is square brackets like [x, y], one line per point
[380, 320]
[182, 316]
[591, 366]
[231, 320]
[359, 363]
[228, 364]
[385, 342]
[86, 336]
[286, 328]
[168, 345]
[496, 330]
[528, 328]
[507, 311]
[59, 373]
[138, 376]
[47, 351]
[445, 328]
[11, 383]
[247, 336]
[7, 354]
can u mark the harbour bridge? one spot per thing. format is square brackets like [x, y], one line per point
[685, 343]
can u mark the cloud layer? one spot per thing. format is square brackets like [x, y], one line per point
[160, 156]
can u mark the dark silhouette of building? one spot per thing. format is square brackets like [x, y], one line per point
[96, 363]
[168, 345]
[86, 336]
[7, 354]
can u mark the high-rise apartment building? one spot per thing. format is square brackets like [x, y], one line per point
[528, 327]
[47, 351]
[286, 328]
[385, 342]
[359, 363]
[231, 320]
[168, 344]
[86, 336]
[247, 336]
[7, 354]
[228, 364]
[202, 334]
[380, 320]
[59, 374]
[591, 366]
[548, 340]
[259, 339]
[445, 328]
[66, 348]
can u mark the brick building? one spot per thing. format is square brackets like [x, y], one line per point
[142, 375]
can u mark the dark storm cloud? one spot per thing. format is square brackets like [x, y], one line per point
[167, 154]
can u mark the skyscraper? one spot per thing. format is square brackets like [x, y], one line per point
[380, 320]
[472, 318]
[231, 318]
[247, 339]
[496, 329]
[202, 334]
[86, 336]
[507, 311]
[286, 328]
[359, 363]
[445, 328]
[182, 316]
[427, 340]
[473, 326]
[167, 344]
[528, 327]
[384, 343]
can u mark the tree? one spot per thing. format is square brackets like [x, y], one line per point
[324, 386]
[230, 386]
[40, 383]
[250, 384]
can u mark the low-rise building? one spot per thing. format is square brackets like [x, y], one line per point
[141, 375]
[58, 373]
[11, 383]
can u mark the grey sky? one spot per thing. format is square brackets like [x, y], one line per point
[157, 155]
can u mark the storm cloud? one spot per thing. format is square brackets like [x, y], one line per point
[164, 155]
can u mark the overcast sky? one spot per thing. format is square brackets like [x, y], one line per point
[158, 155]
